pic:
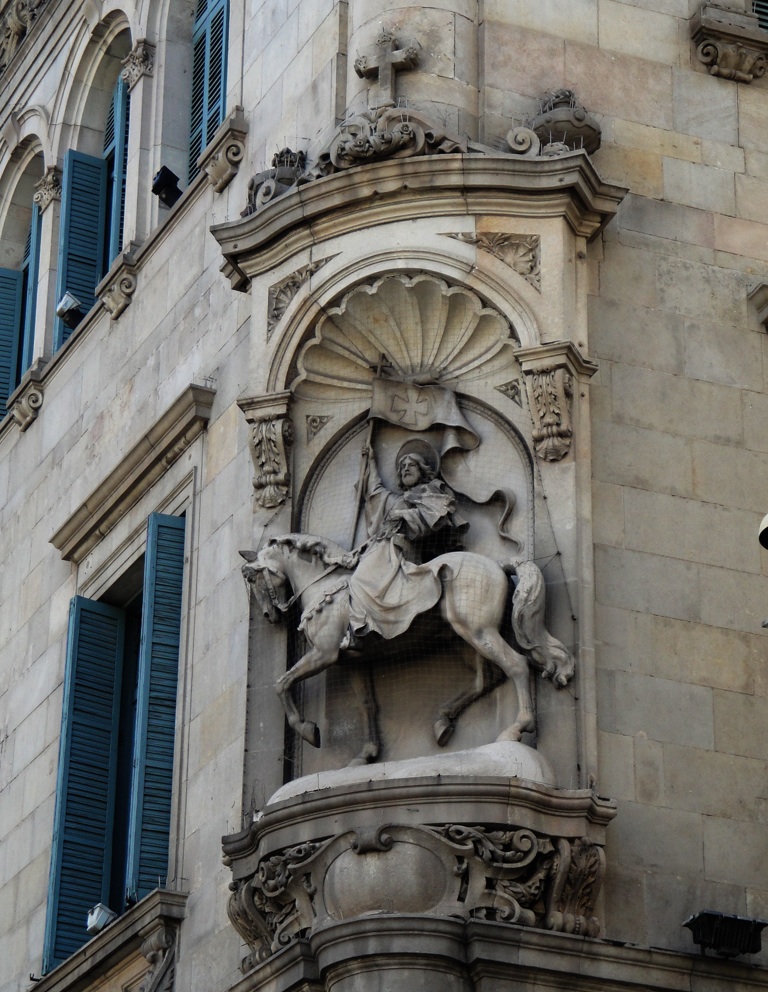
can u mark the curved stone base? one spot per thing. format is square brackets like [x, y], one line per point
[442, 846]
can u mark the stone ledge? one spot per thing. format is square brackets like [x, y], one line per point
[362, 197]
[117, 942]
[158, 448]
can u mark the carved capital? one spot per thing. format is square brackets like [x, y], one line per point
[118, 286]
[550, 370]
[140, 61]
[271, 437]
[25, 402]
[730, 42]
[15, 21]
[220, 161]
[48, 188]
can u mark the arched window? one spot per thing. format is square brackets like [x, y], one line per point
[18, 282]
[209, 76]
[93, 199]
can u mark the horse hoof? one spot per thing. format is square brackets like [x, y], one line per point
[443, 729]
[310, 732]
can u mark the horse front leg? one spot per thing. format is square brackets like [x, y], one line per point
[445, 724]
[314, 661]
[362, 685]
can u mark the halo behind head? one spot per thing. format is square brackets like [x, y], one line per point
[418, 446]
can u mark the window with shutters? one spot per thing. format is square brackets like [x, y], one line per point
[209, 76]
[18, 283]
[115, 775]
[761, 9]
[93, 210]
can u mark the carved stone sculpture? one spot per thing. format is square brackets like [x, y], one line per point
[730, 42]
[287, 167]
[220, 161]
[140, 61]
[282, 293]
[159, 948]
[382, 67]
[521, 252]
[48, 188]
[271, 437]
[15, 22]
[563, 121]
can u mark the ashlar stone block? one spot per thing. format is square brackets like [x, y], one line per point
[634, 335]
[705, 107]
[640, 32]
[743, 863]
[576, 19]
[647, 459]
[699, 186]
[724, 354]
[671, 144]
[522, 61]
[640, 170]
[648, 837]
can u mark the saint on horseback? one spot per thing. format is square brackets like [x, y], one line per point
[354, 602]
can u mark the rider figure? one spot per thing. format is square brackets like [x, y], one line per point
[393, 581]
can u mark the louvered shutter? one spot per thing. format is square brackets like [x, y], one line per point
[761, 9]
[31, 266]
[152, 781]
[209, 76]
[81, 232]
[116, 155]
[83, 820]
[10, 321]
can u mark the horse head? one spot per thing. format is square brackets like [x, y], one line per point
[266, 578]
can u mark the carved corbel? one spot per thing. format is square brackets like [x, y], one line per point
[730, 42]
[48, 188]
[550, 370]
[271, 437]
[221, 160]
[140, 61]
[159, 948]
[25, 402]
[118, 286]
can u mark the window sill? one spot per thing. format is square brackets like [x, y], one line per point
[147, 930]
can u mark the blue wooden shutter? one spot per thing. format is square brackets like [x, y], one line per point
[10, 321]
[30, 269]
[116, 155]
[152, 781]
[83, 821]
[209, 76]
[81, 232]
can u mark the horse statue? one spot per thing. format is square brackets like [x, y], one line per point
[315, 573]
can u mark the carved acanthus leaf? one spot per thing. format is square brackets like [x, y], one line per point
[551, 391]
[282, 293]
[271, 437]
[140, 61]
[521, 252]
[15, 23]
[48, 188]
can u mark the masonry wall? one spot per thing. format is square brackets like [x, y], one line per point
[679, 447]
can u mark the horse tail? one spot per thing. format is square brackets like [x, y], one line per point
[548, 654]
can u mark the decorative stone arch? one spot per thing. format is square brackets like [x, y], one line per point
[24, 170]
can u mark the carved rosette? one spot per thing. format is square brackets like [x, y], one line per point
[48, 188]
[140, 61]
[468, 871]
[282, 293]
[271, 437]
[220, 161]
[550, 371]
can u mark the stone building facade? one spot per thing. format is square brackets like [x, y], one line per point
[251, 256]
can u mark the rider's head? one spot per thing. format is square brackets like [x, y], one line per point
[413, 469]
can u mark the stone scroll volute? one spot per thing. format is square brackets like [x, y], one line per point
[270, 442]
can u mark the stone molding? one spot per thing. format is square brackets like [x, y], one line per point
[16, 19]
[549, 373]
[271, 437]
[133, 476]
[221, 159]
[567, 187]
[448, 846]
[481, 955]
[116, 289]
[26, 400]
[730, 42]
[758, 297]
[140, 61]
[48, 188]
[130, 935]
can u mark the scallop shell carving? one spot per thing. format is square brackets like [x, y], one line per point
[423, 329]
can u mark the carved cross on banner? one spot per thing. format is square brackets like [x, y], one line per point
[383, 67]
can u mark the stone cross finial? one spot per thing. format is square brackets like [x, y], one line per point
[383, 67]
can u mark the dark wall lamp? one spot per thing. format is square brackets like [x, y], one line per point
[727, 936]
[165, 186]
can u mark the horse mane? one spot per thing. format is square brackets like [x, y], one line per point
[329, 552]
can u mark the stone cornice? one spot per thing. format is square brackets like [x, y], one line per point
[158, 448]
[398, 189]
[117, 942]
[730, 42]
